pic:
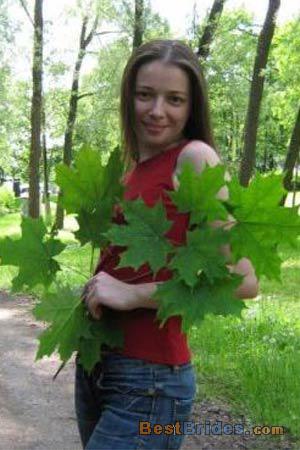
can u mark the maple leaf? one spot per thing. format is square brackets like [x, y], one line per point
[202, 252]
[261, 223]
[33, 254]
[175, 297]
[71, 329]
[143, 234]
[103, 332]
[90, 190]
[197, 193]
[93, 224]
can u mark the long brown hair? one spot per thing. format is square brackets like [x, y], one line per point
[175, 52]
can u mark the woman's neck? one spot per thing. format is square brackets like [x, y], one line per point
[147, 152]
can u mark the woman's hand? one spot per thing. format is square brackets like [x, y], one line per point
[103, 289]
[249, 286]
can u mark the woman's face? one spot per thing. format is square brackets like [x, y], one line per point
[162, 105]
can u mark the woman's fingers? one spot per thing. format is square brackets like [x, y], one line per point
[90, 300]
[95, 310]
[93, 305]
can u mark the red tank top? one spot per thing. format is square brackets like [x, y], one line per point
[143, 338]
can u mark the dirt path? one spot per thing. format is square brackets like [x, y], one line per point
[38, 414]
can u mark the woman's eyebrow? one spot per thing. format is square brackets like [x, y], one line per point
[141, 86]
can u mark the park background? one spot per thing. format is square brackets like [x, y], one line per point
[251, 59]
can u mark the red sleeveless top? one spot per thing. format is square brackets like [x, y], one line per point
[143, 338]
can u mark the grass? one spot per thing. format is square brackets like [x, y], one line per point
[253, 362]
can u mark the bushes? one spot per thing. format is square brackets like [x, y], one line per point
[7, 201]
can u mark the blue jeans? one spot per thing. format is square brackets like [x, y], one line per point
[120, 401]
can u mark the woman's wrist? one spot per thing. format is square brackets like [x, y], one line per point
[143, 293]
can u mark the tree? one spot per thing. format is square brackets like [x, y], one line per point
[292, 154]
[138, 23]
[228, 71]
[36, 110]
[84, 41]
[210, 29]
[45, 169]
[256, 91]
[284, 88]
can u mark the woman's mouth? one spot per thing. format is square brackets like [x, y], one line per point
[154, 129]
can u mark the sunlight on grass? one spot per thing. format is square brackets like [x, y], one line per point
[254, 361]
[10, 225]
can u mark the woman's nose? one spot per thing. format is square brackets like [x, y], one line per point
[157, 109]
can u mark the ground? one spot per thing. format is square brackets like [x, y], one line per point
[37, 413]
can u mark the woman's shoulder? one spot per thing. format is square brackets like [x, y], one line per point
[199, 153]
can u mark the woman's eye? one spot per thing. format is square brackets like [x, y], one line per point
[176, 100]
[143, 95]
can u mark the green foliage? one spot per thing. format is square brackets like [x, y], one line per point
[71, 329]
[198, 194]
[177, 298]
[203, 254]
[261, 224]
[90, 191]
[33, 254]
[7, 200]
[204, 286]
[144, 235]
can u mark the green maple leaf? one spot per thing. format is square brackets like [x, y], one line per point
[33, 254]
[92, 224]
[103, 332]
[261, 223]
[202, 253]
[175, 297]
[143, 234]
[90, 190]
[197, 193]
[70, 329]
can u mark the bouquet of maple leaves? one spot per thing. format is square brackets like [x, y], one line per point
[201, 283]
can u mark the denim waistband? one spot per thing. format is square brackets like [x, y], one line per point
[112, 360]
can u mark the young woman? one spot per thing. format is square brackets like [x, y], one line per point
[165, 121]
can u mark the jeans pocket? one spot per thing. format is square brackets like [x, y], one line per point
[116, 384]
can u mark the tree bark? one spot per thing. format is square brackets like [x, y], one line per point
[138, 23]
[73, 102]
[292, 156]
[210, 29]
[36, 109]
[46, 196]
[256, 92]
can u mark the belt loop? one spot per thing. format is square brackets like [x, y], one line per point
[175, 368]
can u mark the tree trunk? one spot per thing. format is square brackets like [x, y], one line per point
[138, 23]
[68, 141]
[36, 108]
[46, 170]
[256, 91]
[210, 29]
[292, 156]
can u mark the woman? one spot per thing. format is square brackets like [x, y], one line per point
[165, 122]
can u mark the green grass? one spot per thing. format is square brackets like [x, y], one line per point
[254, 361]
